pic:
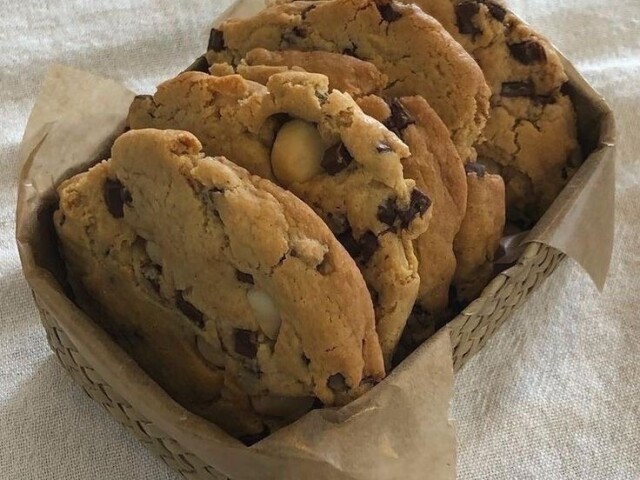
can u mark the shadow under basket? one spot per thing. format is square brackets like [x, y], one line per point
[470, 330]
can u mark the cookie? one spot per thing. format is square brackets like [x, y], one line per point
[531, 133]
[436, 167]
[345, 72]
[410, 48]
[479, 236]
[343, 163]
[249, 285]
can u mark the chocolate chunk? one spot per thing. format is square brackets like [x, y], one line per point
[361, 249]
[518, 89]
[566, 88]
[336, 159]
[349, 243]
[246, 342]
[465, 11]
[528, 52]
[400, 118]
[388, 212]
[387, 12]
[418, 205]
[200, 65]
[115, 196]
[383, 148]
[337, 383]
[216, 40]
[497, 11]
[249, 440]
[477, 168]
[368, 246]
[189, 310]
[244, 277]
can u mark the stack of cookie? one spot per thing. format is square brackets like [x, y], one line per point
[314, 198]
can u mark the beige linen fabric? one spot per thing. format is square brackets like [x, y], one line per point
[556, 394]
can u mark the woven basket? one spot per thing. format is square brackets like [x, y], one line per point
[470, 331]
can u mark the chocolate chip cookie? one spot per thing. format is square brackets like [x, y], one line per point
[240, 294]
[436, 167]
[531, 134]
[410, 48]
[341, 162]
[479, 237]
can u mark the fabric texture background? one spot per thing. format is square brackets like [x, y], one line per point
[556, 394]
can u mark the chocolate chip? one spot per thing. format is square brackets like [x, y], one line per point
[465, 11]
[336, 159]
[418, 205]
[216, 40]
[337, 383]
[368, 246]
[477, 168]
[566, 88]
[497, 11]
[528, 52]
[400, 118]
[244, 277]
[349, 243]
[245, 343]
[249, 440]
[361, 249]
[518, 89]
[189, 310]
[200, 65]
[387, 12]
[115, 196]
[383, 148]
[388, 212]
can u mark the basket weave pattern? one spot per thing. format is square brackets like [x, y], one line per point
[470, 331]
[169, 450]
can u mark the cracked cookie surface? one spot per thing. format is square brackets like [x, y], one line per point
[531, 133]
[343, 163]
[224, 262]
[410, 48]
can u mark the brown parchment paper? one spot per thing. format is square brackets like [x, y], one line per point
[580, 223]
[399, 430]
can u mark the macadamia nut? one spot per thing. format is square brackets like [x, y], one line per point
[297, 153]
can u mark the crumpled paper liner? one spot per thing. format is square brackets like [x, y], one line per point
[400, 429]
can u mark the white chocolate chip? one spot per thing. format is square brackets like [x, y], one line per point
[154, 252]
[297, 153]
[266, 312]
[210, 353]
